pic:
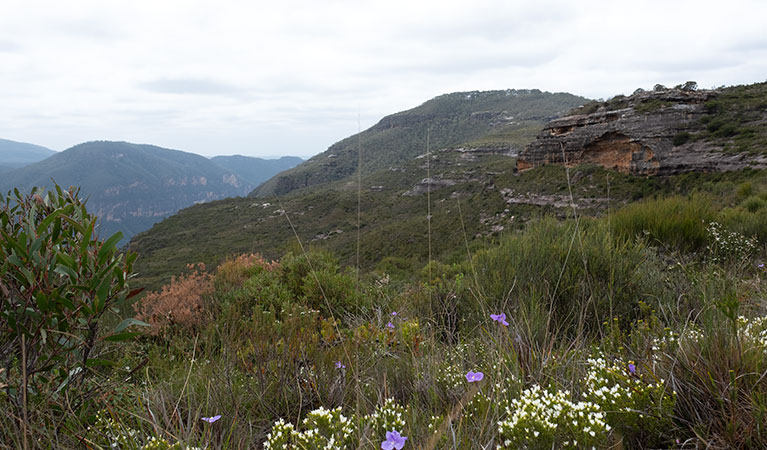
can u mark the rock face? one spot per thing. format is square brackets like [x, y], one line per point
[637, 135]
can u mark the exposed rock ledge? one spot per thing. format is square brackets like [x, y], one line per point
[637, 140]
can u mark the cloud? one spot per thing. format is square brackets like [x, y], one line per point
[89, 28]
[8, 46]
[295, 74]
[189, 86]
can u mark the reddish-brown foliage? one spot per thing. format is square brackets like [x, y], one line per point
[179, 303]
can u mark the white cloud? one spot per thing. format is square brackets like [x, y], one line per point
[291, 77]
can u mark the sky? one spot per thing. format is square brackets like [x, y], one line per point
[266, 78]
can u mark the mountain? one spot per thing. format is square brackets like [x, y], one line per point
[256, 170]
[472, 191]
[500, 121]
[19, 154]
[131, 186]
[467, 154]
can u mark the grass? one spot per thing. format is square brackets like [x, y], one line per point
[585, 303]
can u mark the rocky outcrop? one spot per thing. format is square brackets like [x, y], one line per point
[637, 135]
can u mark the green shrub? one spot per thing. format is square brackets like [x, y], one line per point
[680, 138]
[296, 266]
[746, 222]
[753, 203]
[717, 372]
[745, 189]
[581, 274]
[677, 223]
[331, 292]
[58, 281]
[316, 279]
[266, 289]
[445, 298]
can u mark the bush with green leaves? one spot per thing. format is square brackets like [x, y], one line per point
[578, 275]
[317, 279]
[676, 223]
[58, 281]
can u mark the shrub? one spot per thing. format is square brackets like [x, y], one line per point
[753, 203]
[676, 223]
[179, 303]
[718, 374]
[58, 280]
[445, 298]
[728, 245]
[235, 270]
[574, 275]
[316, 278]
[331, 292]
[265, 289]
[745, 189]
[636, 403]
[680, 138]
[746, 222]
[539, 419]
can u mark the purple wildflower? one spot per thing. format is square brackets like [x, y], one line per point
[761, 266]
[211, 419]
[390, 325]
[500, 318]
[632, 369]
[474, 376]
[394, 313]
[393, 440]
[340, 365]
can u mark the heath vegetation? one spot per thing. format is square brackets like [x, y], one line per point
[645, 327]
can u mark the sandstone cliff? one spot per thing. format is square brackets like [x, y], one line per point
[661, 132]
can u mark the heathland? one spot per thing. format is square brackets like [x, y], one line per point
[444, 297]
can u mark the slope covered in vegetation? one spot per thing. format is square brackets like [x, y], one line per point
[644, 328]
[496, 119]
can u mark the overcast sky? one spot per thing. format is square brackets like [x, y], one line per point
[269, 78]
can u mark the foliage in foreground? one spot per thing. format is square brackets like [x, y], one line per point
[58, 281]
[609, 338]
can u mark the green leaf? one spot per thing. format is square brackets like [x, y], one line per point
[64, 270]
[128, 322]
[65, 259]
[86, 239]
[109, 246]
[101, 294]
[77, 225]
[92, 362]
[48, 220]
[122, 336]
[36, 244]
[42, 301]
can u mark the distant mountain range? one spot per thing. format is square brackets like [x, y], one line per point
[256, 170]
[19, 154]
[131, 187]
